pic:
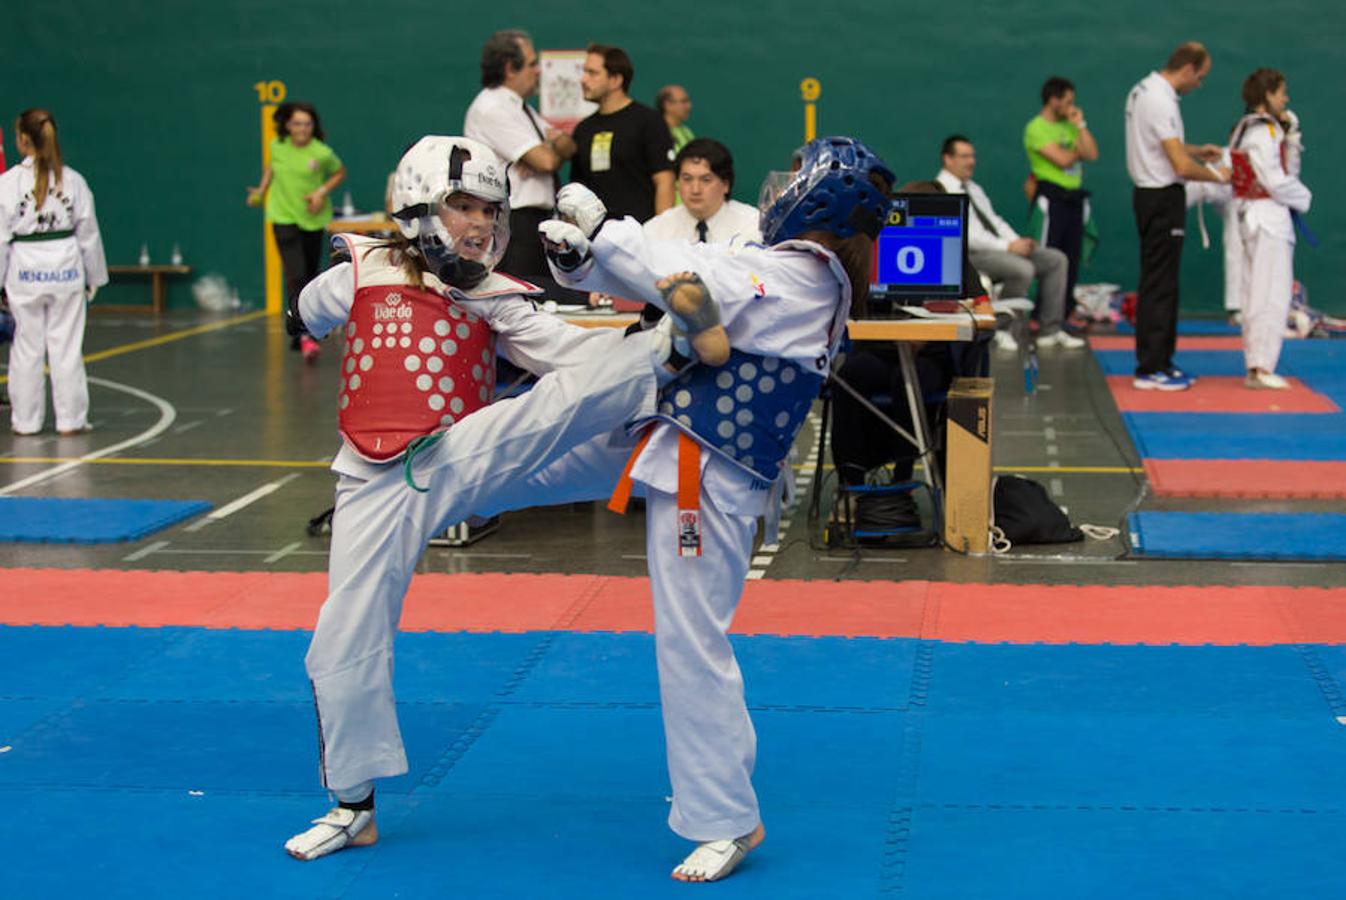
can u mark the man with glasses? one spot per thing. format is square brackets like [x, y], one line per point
[501, 118]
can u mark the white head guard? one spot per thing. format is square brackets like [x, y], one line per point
[434, 168]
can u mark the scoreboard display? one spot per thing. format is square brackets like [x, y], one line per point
[919, 252]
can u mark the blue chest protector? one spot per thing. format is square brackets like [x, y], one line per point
[747, 410]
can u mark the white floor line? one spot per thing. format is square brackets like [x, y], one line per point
[145, 551]
[202, 551]
[246, 500]
[755, 574]
[167, 413]
[763, 560]
[283, 552]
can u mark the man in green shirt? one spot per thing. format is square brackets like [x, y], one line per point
[676, 107]
[1058, 142]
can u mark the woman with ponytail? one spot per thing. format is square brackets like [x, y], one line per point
[51, 263]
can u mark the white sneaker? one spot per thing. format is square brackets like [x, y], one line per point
[1005, 341]
[1060, 338]
[1266, 381]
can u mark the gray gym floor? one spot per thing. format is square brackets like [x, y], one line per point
[249, 419]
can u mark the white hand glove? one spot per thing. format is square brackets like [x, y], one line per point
[564, 243]
[577, 204]
[1293, 136]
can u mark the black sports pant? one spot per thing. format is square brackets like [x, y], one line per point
[1161, 216]
[300, 256]
[1065, 230]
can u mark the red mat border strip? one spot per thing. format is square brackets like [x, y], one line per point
[1220, 394]
[1279, 479]
[1261, 615]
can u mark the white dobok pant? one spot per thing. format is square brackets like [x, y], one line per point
[48, 328]
[709, 736]
[1268, 282]
[485, 464]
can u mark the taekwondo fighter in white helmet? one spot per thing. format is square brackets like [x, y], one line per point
[710, 460]
[423, 317]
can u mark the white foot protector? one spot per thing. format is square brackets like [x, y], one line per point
[714, 860]
[341, 827]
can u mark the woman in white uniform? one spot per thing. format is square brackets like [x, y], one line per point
[424, 317]
[710, 462]
[1265, 163]
[51, 263]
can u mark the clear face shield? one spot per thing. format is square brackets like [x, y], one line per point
[473, 228]
[773, 186]
[464, 237]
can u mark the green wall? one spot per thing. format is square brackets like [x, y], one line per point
[157, 107]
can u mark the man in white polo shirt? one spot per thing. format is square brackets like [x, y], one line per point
[1001, 253]
[501, 118]
[1159, 160]
[703, 172]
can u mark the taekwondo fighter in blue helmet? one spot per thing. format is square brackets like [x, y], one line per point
[710, 460]
[424, 316]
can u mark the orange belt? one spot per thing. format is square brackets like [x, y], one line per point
[621, 495]
[689, 496]
[689, 491]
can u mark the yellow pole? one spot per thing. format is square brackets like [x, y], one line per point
[810, 89]
[269, 94]
[271, 255]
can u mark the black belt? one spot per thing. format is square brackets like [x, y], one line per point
[41, 236]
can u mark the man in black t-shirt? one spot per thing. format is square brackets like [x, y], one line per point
[625, 153]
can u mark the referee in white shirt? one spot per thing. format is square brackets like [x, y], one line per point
[501, 118]
[1159, 161]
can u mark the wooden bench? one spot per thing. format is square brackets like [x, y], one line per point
[157, 275]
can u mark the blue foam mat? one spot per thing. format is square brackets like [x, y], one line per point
[901, 766]
[1288, 436]
[1190, 327]
[1183, 535]
[62, 520]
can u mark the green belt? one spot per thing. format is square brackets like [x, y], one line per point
[41, 236]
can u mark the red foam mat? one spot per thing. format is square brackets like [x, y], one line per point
[1219, 394]
[1128, 342]
[490, 602]
[1256, 478]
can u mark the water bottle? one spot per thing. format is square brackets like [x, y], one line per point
[176, 258]
[347, 207]
[144, 255]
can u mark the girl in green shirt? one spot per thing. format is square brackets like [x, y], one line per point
[297, 184]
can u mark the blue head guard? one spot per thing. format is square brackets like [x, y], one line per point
[830, 190]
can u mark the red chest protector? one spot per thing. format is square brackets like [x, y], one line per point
[1241, 173]
[415, 363]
